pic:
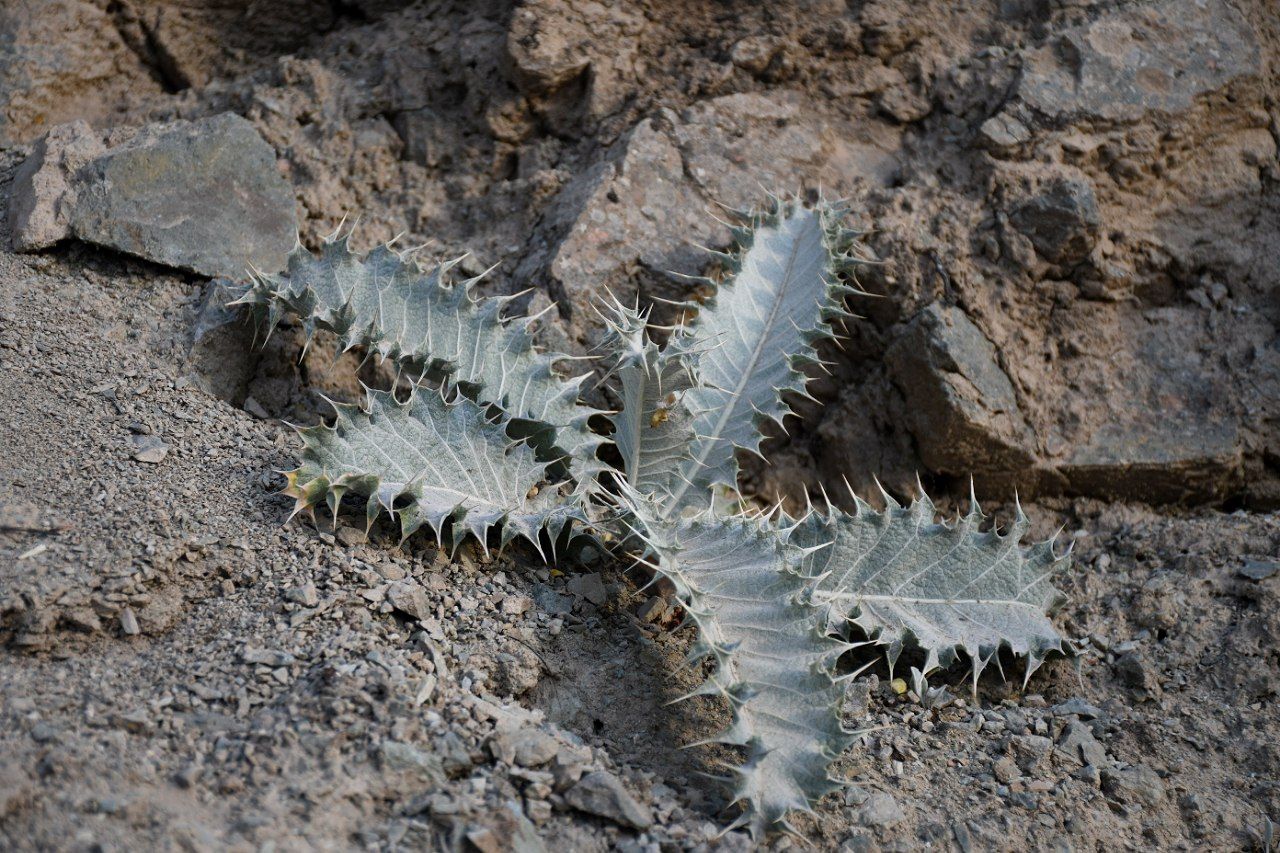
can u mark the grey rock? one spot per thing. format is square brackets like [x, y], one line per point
[44, 189]
[129, 622]
[454, 755]
[880, 809]
[961, 405]
[1075, 706]
[1002, 132]
[266, 657]
[1153, 57]
[1030, 751]
[1259, 570]
[1006, 770]
[1139, 785]
[1078, 745]
[305, 594]
[401, 757]
[631, 211]
[410, 598]
[516, 671]
[860, 841]
[588, 586]
[1061, 219]
[551, 601]
[602, 794]
[203, 196]
[1134, 672]
[149, 448]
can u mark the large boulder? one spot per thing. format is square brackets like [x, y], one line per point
[203, 196]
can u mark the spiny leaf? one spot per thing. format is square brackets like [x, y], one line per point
[738, 582]
[429, 461]
[755, 338]
[652, 429]
[902, 577]
[427, 323]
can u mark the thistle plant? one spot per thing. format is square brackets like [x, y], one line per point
[493, 442]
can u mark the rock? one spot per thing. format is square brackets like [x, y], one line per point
[1006, 770]
[400, 757]
[652, 610]
[129, 622]
[1259, 570]
[1139, 59]
[1133, 671]
[64, 60]
[1138, 785]
[551, 601]
[149, 448]
[602, 794]
[222, 358]
[305, 595]
[509, 832]
[1078, 745]
[754, 53]
[351, 536]
[410, 598]
[1075, 706]
[516, 672]
[889, 27]
[552, 44]
[517, 605]
[1061, 219]
[633, 220]
[527, 747]
[588, 586]
[204, 196]
[43, 185]
[880, 809]
[1158, 457]
[1003, 132]
[961, 406]
[266, 657]
[628, 212]
[735, 144]
[1030, 751]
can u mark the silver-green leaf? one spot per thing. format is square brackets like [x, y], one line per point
[652, 428]
[429, 461]
[428, 323]
[737, 579]
[903, 577]
[755, 338]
